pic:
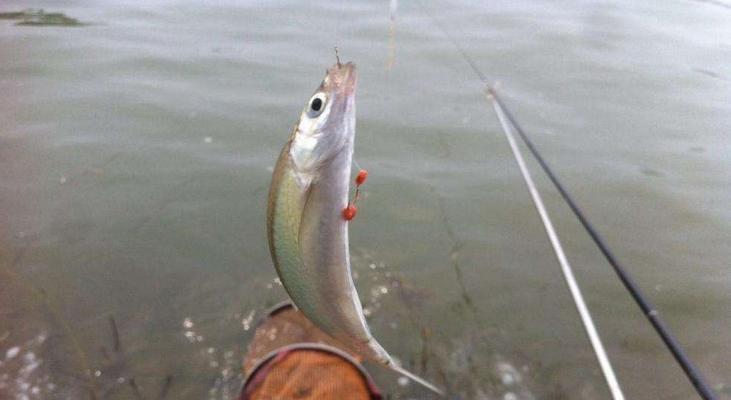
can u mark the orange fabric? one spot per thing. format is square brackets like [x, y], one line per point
[286, 327]
[307, 374]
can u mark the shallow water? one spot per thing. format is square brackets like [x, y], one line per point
[136, 153]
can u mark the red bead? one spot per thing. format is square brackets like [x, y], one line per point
[361, 178]
[349, 212]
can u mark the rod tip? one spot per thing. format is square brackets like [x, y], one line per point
[490, 91]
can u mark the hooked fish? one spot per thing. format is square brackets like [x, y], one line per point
[306, 229]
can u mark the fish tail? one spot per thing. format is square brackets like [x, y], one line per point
[384, 359]
[415, 378]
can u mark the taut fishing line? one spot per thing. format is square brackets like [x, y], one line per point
[650, 312]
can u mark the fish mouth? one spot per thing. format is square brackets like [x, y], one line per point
[341, 79]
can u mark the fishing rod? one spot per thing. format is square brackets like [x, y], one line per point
[651, 313]
[648, 309]
[586, 319]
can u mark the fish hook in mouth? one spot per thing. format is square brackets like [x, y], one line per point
[341, 78]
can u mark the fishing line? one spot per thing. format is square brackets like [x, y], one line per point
[392, 11]
[568, 273]
[651, 313]
[586, 319]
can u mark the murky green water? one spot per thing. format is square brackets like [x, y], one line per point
[136, 153]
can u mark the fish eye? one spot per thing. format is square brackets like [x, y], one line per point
[316, 105]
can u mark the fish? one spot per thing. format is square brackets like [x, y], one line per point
[306, 230]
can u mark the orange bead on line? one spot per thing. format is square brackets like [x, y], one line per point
[349, 212]
[361, 178]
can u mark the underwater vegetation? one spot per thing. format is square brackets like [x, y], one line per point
[33, 17]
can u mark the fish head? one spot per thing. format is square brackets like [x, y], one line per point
[326, 126]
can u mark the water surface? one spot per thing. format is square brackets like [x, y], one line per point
[136, 153]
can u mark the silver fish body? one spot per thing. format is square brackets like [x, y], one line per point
[308, 236]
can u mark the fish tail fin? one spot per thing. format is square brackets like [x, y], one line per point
[384, 359]
[421, 381]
